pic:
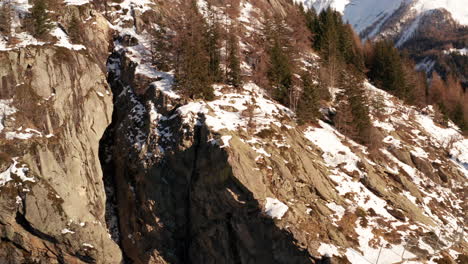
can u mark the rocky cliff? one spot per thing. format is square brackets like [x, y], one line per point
[55, 105]
[102, 161]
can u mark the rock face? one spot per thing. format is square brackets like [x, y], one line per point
[195, 202]
[147, 176]
[189, 192]
[63, 105]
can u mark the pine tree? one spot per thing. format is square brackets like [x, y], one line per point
[280, 66]
[353, 111]
[307, 109]
[234, 73]
[310, 19]
[350, 47]
[74, 29]
[6, 17]
[41, 24]
[213, 46]
[161, 47]
[327, 43]
[458, 117]
[386, 68]
[193, 72]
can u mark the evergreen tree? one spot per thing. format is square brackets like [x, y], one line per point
[74, 29]
[213, 46]
[6, 17]
[234, 73]
[353, 112]
[386, 69]
[328, 36]
[350, 47]
[280, 66]
[193, 71]
[41, 24]
[307, 109]
[336, 41]
[161, 47]
[458, 117]
[310, 19]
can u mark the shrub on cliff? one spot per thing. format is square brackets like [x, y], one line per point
[6, 14]
[40, 19]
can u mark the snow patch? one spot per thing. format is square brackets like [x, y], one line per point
[328, 250]
[275, 208]
[20, 172]
[335, 152]
[5, 110]
[225, 140]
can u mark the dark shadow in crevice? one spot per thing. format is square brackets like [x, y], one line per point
[189, 208]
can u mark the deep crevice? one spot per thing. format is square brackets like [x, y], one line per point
[23, 222]
[193, 178]
[106, 144]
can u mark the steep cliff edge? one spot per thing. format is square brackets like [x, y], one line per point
[52, 197]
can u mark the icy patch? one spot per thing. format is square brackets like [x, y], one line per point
[384, 125]
[371, 254]
[419, 152]
[448, 138]
[338, 209]
[87, 245]
[362, 197]
[165, 83]
[460, 152]
[23, 40]
[20, 134]
[245, 15]
[274, 208]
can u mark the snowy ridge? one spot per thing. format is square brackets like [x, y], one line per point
[265, 112]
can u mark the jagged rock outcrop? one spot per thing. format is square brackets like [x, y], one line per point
[55, 212]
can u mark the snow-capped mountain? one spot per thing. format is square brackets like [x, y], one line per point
[430, 30]
[373, 18]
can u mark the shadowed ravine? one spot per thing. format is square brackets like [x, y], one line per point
[185, 206]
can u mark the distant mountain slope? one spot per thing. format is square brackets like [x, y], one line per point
[428, 29]
[371, 18]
